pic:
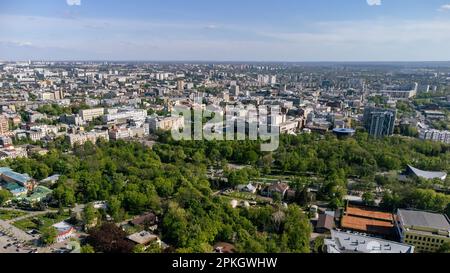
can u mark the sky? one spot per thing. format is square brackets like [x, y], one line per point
[225, 30]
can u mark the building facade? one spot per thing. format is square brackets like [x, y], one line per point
[425, 230]
[379, 122]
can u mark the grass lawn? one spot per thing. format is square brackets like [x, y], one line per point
[40, 221]
[246, 196]
[7, 215]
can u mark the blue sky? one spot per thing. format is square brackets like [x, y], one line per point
[231, 30]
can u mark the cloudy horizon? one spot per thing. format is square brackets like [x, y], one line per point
[323, 30]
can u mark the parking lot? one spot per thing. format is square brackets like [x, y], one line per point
[11, 245]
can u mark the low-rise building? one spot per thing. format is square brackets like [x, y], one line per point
[90, 114]
[124, 133]
[65, 231]
[145, 239]
[165, 123]
[347, 242]
[368, 220]
[435, 135]
[82, 138]
[425, 230]
[9, 176]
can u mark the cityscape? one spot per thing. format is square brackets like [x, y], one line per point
[100, 154]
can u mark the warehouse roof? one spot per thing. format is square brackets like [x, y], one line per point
[424, 219]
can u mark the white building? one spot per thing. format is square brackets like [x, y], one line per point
[435, 135]
[65, 232]
[123, 116]
[345, 242]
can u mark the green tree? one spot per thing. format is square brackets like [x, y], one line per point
[90, 215]
[319, 245]
[87, 249]
[4, 196]
[368, 198]
[175, 225]
[48, 235]
[445, 248]
[297, 230]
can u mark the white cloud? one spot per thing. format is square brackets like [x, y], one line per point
[445, 7]
[361, 40]
[73, 2]
[374, 2]
[211, 26]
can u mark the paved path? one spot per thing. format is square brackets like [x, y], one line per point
[8, 228]
[17, 233]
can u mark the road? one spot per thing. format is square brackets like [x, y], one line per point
[7, 228]
[10, 234]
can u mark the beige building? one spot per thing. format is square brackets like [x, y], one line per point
[56, 95]
[165, 124]
[426, 231]
[180, 85]
[90, 114]
[124, 133]
[4, 125]
[82, 138]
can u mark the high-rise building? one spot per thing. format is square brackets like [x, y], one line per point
[4, 125]
[379, 122]
[180, 85]
[235, 90]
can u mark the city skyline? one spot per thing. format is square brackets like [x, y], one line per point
[260, 31]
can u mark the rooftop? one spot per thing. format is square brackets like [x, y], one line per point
[367, 225]
[21, 178]
[344, 131]
[62, 227]
[143, 237]
[369, 213]
[427, 174]
[345, 242]
[424, 219]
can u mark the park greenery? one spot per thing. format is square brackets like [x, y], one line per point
[171, 180]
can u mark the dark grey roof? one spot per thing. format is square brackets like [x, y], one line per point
[424, 219]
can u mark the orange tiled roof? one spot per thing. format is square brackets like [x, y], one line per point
[372, 214]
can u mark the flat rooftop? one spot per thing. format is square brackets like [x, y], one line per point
[143, 237]
[345, 242]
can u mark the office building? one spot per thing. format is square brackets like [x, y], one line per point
[379, 122]
[90, 114]
[180, 85]
[425, 230]
[4, 125]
